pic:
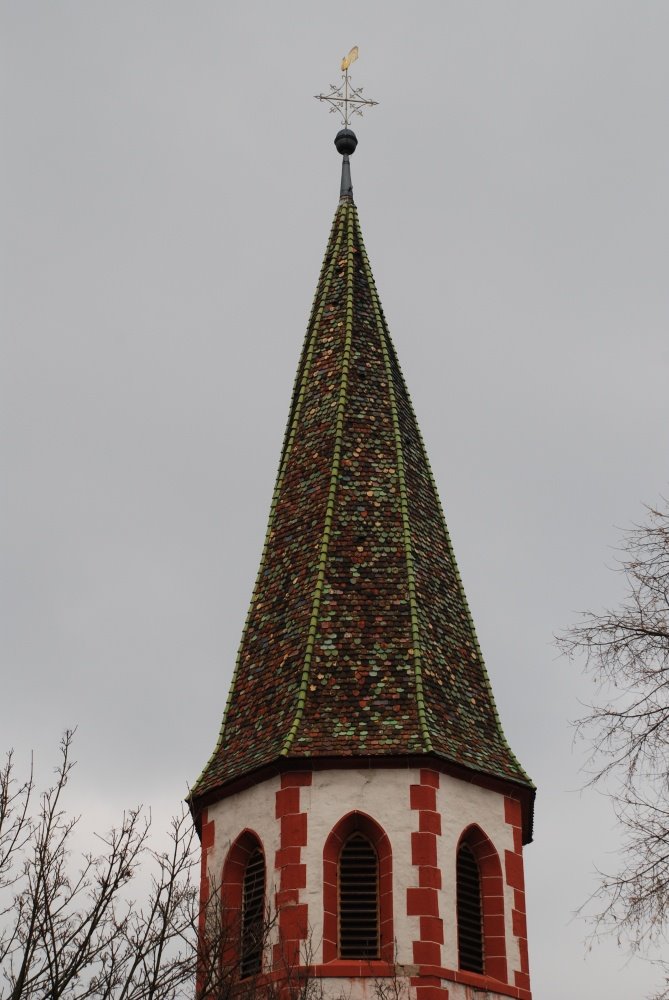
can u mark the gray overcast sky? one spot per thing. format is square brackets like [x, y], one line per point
[166, 190]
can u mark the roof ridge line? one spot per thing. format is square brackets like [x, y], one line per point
[456, 569]
[332, 492]
[406, 532]
[465, 601]
[313, 325]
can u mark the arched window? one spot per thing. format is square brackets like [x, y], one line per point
[358, 899]
[253, 905]
[470, 911]
[358, 892]
[480, 906]
[243, 928]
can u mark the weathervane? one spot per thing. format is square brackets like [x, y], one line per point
[346, 99]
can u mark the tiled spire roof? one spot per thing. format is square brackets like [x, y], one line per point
[358, 641]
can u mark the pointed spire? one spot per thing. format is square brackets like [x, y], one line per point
[358, 642]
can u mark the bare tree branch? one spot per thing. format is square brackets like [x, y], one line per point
[126, 922]
[74, 932]
[626, 651]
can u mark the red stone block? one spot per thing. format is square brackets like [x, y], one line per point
[208, 835]
[492, 885]
[512, 811]
[494, 905]
[231, 896]
[333, 846]
[493, 925]
[330, 898]
[290, 954]
[234, 870]
[426, 953]
[386, 884]
[522, 948]
[485, 852]
[291, 778]
[287, 801]
[428, 777]
[294, 830]
[293, 922]
[429, 822]
[514, 870]
[517, 840]
[294, 877]
[519, 923]
[287, 856]
[330, 873]
[386, 930]
[432, 929]
[287, 897]
[423, 797]
[431, 993]
[429, 878]
[383, 848]
[424, 849]
[340, 969]
[495, 946]
[422, 903]
[522, 980]
[329, 938]
[496, 967]
[477, 838]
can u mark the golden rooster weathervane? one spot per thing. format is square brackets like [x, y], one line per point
[346, 99]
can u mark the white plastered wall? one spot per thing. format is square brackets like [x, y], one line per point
[460, 805]
[382, 794]
[250, 809]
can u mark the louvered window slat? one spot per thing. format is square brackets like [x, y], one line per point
[253, 902]
[358, 899]
[470, 915]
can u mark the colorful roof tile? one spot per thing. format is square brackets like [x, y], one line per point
[358, 641]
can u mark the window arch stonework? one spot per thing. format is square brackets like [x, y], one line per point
[243, 887]
[481, 850]
[341, 835]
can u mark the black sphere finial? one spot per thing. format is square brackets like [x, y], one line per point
[346, 141]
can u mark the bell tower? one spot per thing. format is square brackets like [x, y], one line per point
[362, 816]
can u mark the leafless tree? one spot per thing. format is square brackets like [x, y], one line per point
[395, 986]
[626, 650]
[126, 923]
[286, 971]
[76, 932]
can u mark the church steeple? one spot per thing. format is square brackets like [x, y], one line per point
[362, 796]
[358, 641]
